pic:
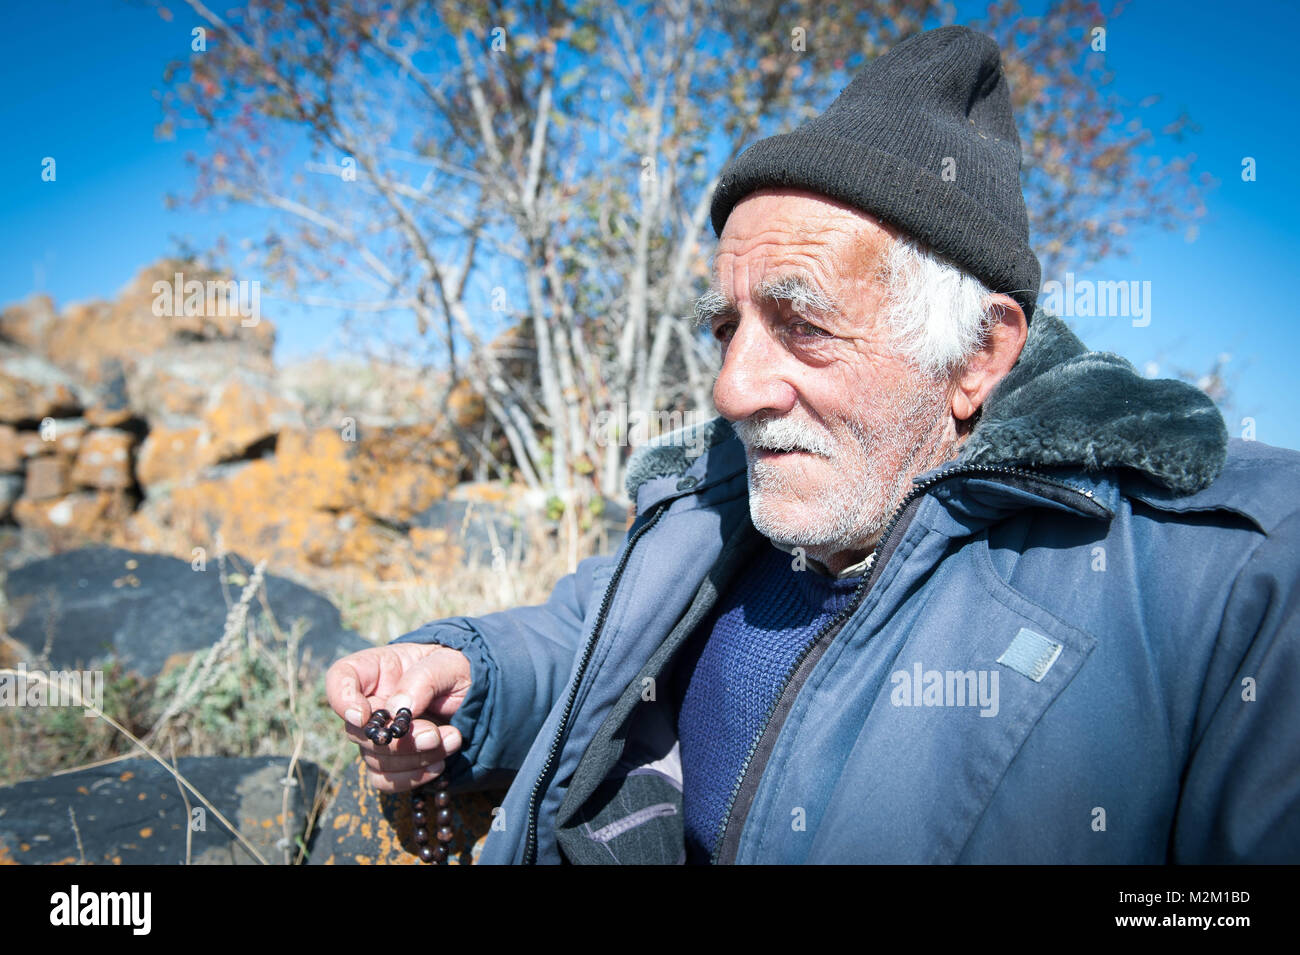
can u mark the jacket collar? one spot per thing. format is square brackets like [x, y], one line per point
[1062, 406]
[1062, 409]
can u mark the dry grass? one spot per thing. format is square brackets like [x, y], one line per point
[246, 695]
[382, 612]
[95, 711]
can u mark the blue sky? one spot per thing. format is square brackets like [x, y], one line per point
[81, 75]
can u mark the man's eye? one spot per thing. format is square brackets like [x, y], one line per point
[808, 329]
[724, 331]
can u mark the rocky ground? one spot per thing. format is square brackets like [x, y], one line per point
[147, 462]
[245, 674]
[258, 811]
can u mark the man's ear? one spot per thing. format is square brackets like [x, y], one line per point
[989, 365]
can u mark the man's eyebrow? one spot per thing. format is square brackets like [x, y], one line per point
[801, 292]
[711, 306]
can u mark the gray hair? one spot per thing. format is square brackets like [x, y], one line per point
[939, 315]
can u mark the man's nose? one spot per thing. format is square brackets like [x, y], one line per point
[751, 379]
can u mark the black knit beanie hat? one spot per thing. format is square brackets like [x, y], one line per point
[924, 139]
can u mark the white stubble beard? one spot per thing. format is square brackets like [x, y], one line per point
[853, 505]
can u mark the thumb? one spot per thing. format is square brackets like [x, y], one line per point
[435, 684]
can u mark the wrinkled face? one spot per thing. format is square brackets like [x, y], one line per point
[834, 419]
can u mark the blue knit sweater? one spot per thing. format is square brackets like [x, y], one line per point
[731, 672]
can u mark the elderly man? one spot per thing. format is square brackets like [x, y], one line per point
[944, 586]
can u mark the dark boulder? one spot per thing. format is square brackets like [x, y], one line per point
[97, 602]
[132, 812]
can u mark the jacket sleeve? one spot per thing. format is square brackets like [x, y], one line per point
[520, 661]
[1241, 795]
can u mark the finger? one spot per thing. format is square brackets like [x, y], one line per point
[347, 684]
[389, 763]
[431, 738]
[400, 782]
[425, 681]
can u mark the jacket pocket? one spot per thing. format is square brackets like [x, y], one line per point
[635, 814]
[952, 680]
[634, 820]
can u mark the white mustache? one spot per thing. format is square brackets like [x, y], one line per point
[784, 434]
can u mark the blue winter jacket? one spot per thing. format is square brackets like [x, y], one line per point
[1079, 643]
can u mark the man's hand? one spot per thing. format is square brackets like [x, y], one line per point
[429, 680]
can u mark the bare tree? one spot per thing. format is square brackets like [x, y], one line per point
[530, 181]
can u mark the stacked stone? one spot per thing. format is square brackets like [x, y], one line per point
[139, 424]
[66, 449]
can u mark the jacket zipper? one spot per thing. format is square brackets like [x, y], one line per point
[751, 772]
[534, 798]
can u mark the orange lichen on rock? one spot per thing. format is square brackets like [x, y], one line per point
[365, 827]
[170, 454]
[31, 388]
[465, 406]
[68, 435]
[149, 425]
[30, 444]
[87, 337]
[11, 456]
[320, 501]
[78, 517]
[241, 412]
[104, 459]
[401, 471]
[47, 477]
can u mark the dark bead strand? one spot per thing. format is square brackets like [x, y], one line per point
[382, 729]
[442, 799]
[430, 851]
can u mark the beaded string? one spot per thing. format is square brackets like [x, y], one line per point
[381, 734]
